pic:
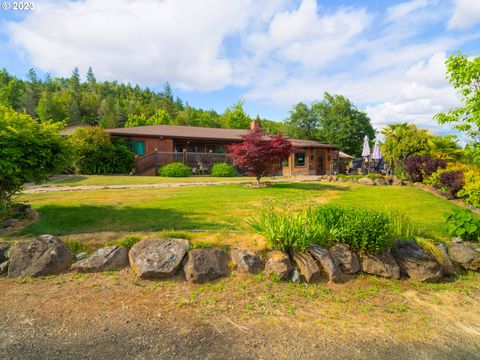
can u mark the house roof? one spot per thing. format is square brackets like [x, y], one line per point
[203, 133]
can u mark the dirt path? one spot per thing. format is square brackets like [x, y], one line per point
[32, 189]
[115, 316]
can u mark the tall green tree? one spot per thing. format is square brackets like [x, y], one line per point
[463, 72]
[342, 124]
[235, 117]
[302, 123]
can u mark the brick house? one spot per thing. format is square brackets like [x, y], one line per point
[200, 147]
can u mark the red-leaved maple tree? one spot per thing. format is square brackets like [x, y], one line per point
[259, 152]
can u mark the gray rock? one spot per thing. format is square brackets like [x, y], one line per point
[415, 262]
[466, 254]
[397, 182]
[4, 246]
[278, 264]
[45, 255]
[366, 181]
[31, 214]
[105, 259]
[382, 264]
[157, 258]
[449, 267]
[328, 263]
[456, 240]
[381, 182]
[9, 223]
[307, 266]
[4, 268]
[346, 259]
[202, 265]
[295, 276]
[247, 261]
[81, 256]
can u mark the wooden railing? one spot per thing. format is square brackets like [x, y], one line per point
[199, 162]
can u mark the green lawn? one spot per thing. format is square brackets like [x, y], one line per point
[102, 180]
[216, 207]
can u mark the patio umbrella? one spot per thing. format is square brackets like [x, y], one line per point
[366, 147]
[377, 154]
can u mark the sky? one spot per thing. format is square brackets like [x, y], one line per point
[386, 56]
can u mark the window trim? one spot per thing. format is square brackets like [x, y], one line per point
[295, 164]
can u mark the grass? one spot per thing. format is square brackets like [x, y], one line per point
[222, 207]
[103, 180]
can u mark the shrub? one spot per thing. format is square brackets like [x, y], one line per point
[471, 190]
[29, 151]
[419, 167]
[129, 241]
[364, 230]
[223, 170]
[176, 169]
[451, 182]
[464, 224]
[97, 153]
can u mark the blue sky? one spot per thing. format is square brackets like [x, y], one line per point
[386, 56]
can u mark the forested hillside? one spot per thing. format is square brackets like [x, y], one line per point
[112, 104]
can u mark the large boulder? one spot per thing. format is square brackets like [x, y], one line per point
[4, 246]
[247, 261]
[45, 255]
[9, 223]
[202, 265]
[105, 259]
[157, 258]
[4, 268]
[415, 262]
[366, 181]
[327, 263]
[309, 270]
[466, 254]
[346, 259]
[382, 264]
[278, 265]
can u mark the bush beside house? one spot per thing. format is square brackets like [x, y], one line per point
[176, 169]
[223, 170]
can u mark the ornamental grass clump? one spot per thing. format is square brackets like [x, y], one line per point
[364, 230]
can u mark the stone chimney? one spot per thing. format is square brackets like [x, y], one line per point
[255, 124]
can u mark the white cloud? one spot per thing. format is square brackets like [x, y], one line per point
[310, 37]
[399, 11]
[147, 42]
[466, 13]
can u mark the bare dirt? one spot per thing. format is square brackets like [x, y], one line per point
[115, 316]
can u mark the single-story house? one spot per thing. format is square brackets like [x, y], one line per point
[200, 147]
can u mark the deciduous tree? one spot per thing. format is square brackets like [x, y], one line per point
[259, 152]
[29, 151]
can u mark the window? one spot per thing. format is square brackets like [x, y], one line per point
[136, 146]
[219, 149]
[300, 159]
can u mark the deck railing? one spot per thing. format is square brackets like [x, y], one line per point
[198, 162]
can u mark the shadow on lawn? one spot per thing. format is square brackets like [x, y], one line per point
[61, 220]
[309, 186]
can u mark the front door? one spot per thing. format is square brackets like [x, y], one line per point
[320, 164]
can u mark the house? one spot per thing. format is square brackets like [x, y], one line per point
[200, 147]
